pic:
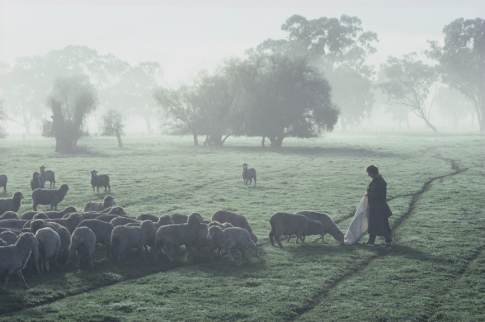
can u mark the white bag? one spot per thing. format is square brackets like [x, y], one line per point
[358, 226]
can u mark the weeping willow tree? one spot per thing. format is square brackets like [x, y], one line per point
[71, 100]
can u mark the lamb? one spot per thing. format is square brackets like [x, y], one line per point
[147, 217]
[14, 258]
[47, 175]
[9, 215]
[101, 180]
[288, 224]
[248, 174]
[232, 238]
[108, 202]
[9, 237]
[36, 181]
[49, 246]
[83, 246]
[3, 182]
[64, 235]
[329, 226]
[234, 219]
[101, 229]
[169, 238]
[50, 197]
[124, 238]
[118, 221]
[11, 204]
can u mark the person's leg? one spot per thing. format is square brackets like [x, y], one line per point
[372, 239]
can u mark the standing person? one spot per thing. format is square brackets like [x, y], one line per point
[379, 210]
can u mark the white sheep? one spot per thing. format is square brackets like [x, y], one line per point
[14, 258]
[83, 246]
[49, 247]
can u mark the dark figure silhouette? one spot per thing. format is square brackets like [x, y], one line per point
[379, 211]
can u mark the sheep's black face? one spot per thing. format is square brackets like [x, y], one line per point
[18, 196]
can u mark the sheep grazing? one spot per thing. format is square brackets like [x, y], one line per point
[108, 202]
[14, 258]
[11, 204]
[70, 222]
[118, 221]
[179, 219]
[234, 219]
[36, 182]
[64, 235]
[329, 226]
[101, 180]
[119, 211]
[47, 175]
[169, 238]
[124, 238]
[3, 182]
[248, 174]
[13, 224]
[147, 217]
[284, 224]
[50, 197]
[101, 229]
[83, 247]
[9, 215]
[49, 247]
[9, 237]
[40, 215]
[232, 238]
[28, 215]
[60, 214]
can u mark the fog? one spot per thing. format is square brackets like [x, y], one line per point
[188, 37]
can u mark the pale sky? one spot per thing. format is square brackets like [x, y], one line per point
[188, 36]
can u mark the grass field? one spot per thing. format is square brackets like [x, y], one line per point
[435, 270]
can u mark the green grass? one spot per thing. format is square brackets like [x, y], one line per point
[434, 271]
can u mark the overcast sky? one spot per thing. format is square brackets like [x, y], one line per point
[188, 36]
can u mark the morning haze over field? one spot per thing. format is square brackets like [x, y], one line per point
[243, 161]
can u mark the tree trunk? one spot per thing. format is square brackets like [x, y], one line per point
[225, 138]
[65, 144]
[118, 138]
[276, 141]
[196, 139]
[263, 141]
[431, 126]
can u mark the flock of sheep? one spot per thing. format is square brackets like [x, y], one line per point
[40, 240]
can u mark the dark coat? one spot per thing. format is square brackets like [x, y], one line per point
[379, 210]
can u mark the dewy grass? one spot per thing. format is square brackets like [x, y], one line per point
[436, 257]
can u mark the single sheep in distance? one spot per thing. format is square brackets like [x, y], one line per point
[101, 180]
[248, 174]
[108, 202]
[47, 175]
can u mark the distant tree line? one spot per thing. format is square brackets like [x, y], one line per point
[297, 86]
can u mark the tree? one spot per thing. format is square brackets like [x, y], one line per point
[407, 82]
[133, 93]
[181, 105]
[452, 104]
[286, 97]
[71, 99]
[113, 125]
[462, 61]
[339, 47]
